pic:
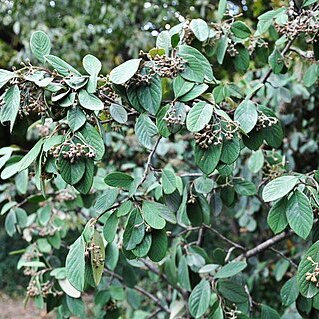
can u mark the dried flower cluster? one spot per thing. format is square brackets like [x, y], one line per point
[265, 121]
[305, 21]
[173, 118]
[168, 67]
[95, 251]
[314, 275]
[72, 151]
[107, 95]
[214, 134]
[36, 288]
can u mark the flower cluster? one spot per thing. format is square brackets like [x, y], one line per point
[107, 95]
[314, 275]
[265, 121]
[173, 118]
[35, 289]
[188, 35]
[95, 252]
[168, 67]
[72, 151]
[305, 21]
[214, 134]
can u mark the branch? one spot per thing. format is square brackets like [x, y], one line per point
[269, 72]
[148, 163]
[266, 244]
[221, 236]
[156, 271]
[139, 289]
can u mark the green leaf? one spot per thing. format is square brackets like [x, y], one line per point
[277, 219]
[152, 217]
[207, 68]
[183, 274]
[111, 255]
[200, 29]
[75, 264]
[269, 313]
[145, 130]
[230, 151]
[6, 76]
[93, 138]
[40, 45]
[118, 113]
[299, 214]
[276, 61]
[71, 172]
[244, 187]
[32, 155]
[92, 66]
[231, 269]
[196, 91]
[240, 30]
[203, 185]
[141, 250]
[207, 159]
[90, 101]
[97, 257]
[105, 201]
[163, 40]
[289, 292]
[193, 71]
[199, 115]
[159, 245]
[76, 306]
[168, 181]
[110, 227]
[61, 66]
[308, 2]
[10, 108]
[124, 71]
[150, 96]
[311, 75]
[181, 87]
[279, 187]
[161, 210]
[76, 118]
[246, 114]
[232, 291]
[10, 223]
[85, 184]
[307, 265]
[222, 45]
[222, 6]
[242, 59]
[134, 230]
[199, 298]
[119, 179]
[256, 161]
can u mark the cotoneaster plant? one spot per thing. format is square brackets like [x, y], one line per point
[151, 187]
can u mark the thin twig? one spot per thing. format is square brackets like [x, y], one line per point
[266, 244]
[139, 289]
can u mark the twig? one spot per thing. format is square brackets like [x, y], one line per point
[139, 289]
[221, 236]
[269, 72]
[148, 163]
[156, 271]
[284, 256]
[265, 245]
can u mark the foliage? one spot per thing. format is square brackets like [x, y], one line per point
[158, 166]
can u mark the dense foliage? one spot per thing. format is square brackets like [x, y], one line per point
[183, 184]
